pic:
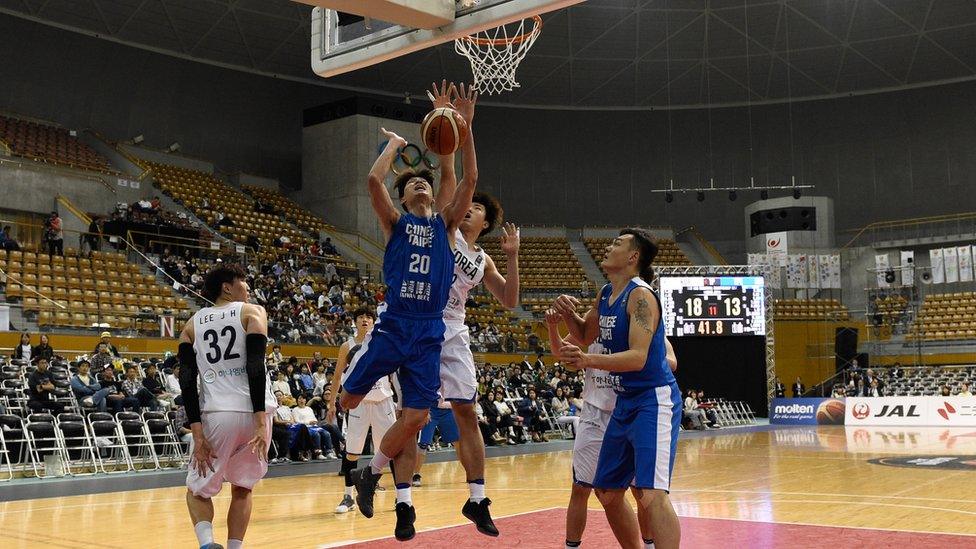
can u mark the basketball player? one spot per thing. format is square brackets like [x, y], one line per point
[376, 412]
[417, 267]
[442, 420]
[599, 400]
[222, 347]
[642, 433]
[472, 266]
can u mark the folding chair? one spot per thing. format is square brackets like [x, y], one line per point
[13, 444]
[42, 441]
[137, 440]
[78, 446]
[166, 444]
[111, 452]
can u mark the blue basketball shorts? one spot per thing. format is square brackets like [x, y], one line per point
[407, 344]
[441, 419]
[641, 439]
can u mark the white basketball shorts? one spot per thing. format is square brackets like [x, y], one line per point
[228, 434]
[589, 439]
[378, 415]
[459, 381]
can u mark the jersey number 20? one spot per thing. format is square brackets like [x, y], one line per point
[210, 336]
[419, 263]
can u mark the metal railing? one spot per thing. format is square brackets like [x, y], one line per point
[38, 166]
[901, 229]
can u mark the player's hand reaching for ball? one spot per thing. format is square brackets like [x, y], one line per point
[553, 318]
[510, 239]
[394, 140]
[464, 101]
[574, 358]
[441, 97]
[203, 455]
[566, 306]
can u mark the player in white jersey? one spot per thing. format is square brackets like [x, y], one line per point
[599, 400]
[377, 410]
[472, 266]
[228, 402]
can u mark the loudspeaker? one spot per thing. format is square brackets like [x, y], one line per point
[845, 346]
[796, 218]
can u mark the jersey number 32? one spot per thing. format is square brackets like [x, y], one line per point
[227, 335]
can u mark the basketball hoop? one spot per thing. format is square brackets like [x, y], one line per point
[495, 54]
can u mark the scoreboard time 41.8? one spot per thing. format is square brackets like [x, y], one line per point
[713, 305]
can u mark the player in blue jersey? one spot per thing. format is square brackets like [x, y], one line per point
[418, 267]
[639, 445]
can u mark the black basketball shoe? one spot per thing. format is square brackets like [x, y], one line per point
[478, 514]
[405, 517]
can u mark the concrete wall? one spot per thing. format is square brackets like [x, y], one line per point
[338, 155]
[34, 190]
[242, 179]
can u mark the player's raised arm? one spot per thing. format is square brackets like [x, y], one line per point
[457, 208]
[583, 328]
[505, 288]
[341, 363]
[441, 97]
[379, 196]
[644, 317]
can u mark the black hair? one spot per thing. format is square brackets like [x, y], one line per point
[400, 183]
[493, 210]
[216, 278]
[363, 311]
[643, 242]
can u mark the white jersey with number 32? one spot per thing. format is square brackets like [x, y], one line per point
[598, 387]
[222, 358]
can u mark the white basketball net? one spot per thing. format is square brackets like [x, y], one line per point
[496, 53]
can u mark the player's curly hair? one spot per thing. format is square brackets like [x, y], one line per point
[400, 183]
[493, 211]
[643, 242]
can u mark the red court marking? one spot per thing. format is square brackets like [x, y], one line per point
[547, 529]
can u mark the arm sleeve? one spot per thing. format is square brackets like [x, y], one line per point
[257, 374]
[188, 382]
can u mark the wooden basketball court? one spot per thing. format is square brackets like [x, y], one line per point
[753, 487]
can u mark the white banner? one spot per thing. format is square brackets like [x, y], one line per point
[938, 266]
[776, 248]
[825, 276]
[907, 268]
[881, 265]
[951, 265]
[813, 271]
[965, 255]
[214, 245]
[796, 271]
[835, 281]
[911, 411]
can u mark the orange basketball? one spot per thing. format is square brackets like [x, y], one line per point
[444, 130]
[830, 412]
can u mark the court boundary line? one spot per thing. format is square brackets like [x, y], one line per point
[873, 528]
[342, 543]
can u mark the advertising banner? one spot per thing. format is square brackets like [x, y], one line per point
[807, 411]
[912, 411]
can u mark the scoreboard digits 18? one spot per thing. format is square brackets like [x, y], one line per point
[707, 306]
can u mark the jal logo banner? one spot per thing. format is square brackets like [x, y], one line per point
[912, 411]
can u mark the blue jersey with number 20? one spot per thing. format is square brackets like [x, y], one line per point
[418, 266]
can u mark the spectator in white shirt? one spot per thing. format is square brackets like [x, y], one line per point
[173, 385]
[964, 392]
[321, 439]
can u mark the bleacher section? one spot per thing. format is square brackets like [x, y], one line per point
[104, 289]
[301, 217]
[52, 145]
[946, 317]
[809, 309]
[925, 380]
[545, 263]
[668, 252]
[190, 187]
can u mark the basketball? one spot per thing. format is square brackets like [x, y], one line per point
[830, 412]
[444, 130]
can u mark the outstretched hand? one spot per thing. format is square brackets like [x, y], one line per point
[393, 139]
[203, 456]
[464, 101]
[510, 239]
[552, 317]
[442, 97]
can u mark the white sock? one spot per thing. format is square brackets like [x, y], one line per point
[648, 544]
[477, 490]
[379, 462]
[204, 532]
[349, 490]
[403, 495]
[235, 544]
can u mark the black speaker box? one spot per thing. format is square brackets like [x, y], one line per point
[795, 218]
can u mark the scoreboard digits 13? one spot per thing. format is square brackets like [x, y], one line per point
[713, 305]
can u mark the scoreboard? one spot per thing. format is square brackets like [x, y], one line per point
[713, 305]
